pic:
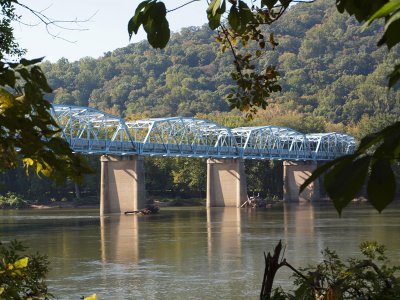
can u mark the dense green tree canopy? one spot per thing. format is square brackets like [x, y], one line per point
[332, 73]
[27, 129]
[330, 68]
[241, 22]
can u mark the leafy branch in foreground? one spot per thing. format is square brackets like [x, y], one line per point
[22, 276]
[370, 277]
[28, 130]
[371, 163]
[237, 27]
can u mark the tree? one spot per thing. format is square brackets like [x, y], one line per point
[373, 159]
[28, 130]
[243, 23]
[371, 277]
[241, 26]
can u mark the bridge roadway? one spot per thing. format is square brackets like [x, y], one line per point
[91, 131]
[123, 144]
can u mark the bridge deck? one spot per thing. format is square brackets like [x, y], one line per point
[89, 130]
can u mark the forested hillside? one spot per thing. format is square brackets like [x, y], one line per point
[333, 79]
[330, 67]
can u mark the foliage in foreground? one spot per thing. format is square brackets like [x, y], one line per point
[372, 161]
[243, 23]
[21, 275]
[28, 131]
[370, 277]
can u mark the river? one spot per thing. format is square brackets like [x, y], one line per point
[189, 253]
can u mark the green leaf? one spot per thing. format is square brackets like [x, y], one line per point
[137, 19]
[245, 17]
[368, 141]
[26, 62]
[392, 19]
[302, 290]
[322, 169]
[24, 73]
[392, 36]
[7, 99]
[389, 141]
[381, 184]
[8, 78]
[39, 78]
[361, 10]
[390, 148]
[337, 184]
[394, 76]
[134, 24]
[156, 25]
[213, 7]
[385, 10]
[233, 17]
[214, 13]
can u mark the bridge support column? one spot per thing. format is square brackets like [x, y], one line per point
[294, 175]
[226, 183]
[122, 185]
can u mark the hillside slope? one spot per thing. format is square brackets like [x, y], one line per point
[329, 66]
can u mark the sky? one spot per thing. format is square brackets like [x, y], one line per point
[105, 29]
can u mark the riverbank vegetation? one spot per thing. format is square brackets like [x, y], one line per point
[12, 200]
[332, 74]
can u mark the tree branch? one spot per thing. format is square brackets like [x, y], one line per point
[176, 8]
[48, 22]
[238, 67]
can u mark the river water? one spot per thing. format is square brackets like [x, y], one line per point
[190, 253]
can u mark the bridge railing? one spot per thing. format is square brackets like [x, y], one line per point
[89, 130]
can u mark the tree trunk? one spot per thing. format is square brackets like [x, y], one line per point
[272, 265]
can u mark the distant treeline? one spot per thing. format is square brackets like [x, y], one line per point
[333, 79]
[165, 177]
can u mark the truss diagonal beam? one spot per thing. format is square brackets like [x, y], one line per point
[89, 131]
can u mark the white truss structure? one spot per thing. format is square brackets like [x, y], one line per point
[89, 131]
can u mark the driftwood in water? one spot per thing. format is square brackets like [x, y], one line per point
[254, 202]
[150, 209]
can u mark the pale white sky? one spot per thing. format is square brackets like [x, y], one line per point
[106, 29]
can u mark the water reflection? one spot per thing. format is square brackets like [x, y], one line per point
[224, 245]
[119, 236]
[190, 253]
[298, 232]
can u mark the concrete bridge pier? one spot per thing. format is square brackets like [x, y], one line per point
[294, 175]
[122, 186]
[226, 182]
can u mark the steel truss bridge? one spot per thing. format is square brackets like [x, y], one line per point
[91, 131]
